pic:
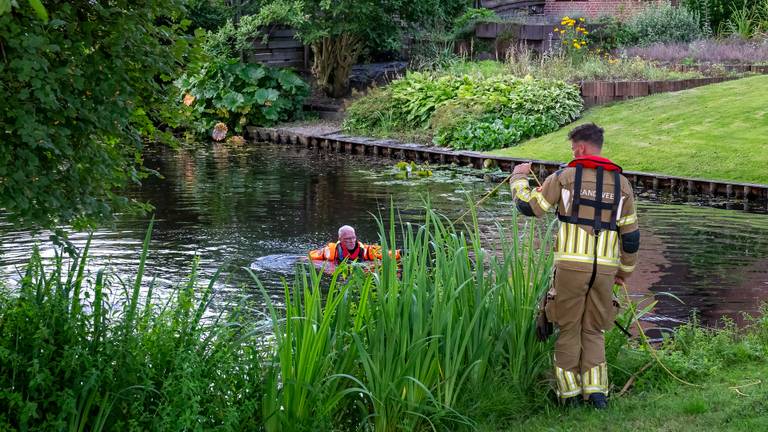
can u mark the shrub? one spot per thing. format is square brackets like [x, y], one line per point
[240, 94]
[230, 40]
[80, 94]
[450, 105]
[373, 114]
[664, 23]
[609, 33]
[208, 14]
[464, 24]
[492, 132]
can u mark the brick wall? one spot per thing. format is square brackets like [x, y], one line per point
[596, 8]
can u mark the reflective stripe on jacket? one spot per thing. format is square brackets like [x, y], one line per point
[576, 242]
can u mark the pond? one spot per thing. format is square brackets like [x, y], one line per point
[231, 206]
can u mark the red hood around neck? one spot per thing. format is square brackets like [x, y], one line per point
[593, 162]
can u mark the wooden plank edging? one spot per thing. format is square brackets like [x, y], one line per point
[338, 142]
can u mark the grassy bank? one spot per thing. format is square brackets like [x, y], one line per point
[717, 131]
[732, 399]
[444, 340]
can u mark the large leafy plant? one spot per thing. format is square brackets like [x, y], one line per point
[241, 94]
[81, 84]
[468, 112]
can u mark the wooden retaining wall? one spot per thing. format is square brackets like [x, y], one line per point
[336, 142]
[600, 92]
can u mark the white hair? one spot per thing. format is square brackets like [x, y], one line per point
[346, 228]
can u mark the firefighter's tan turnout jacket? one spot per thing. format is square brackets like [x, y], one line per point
[616, 245]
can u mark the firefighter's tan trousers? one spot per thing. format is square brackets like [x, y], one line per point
[582, 315]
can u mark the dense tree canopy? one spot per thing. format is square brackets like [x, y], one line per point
[78, 90]
[339, 30]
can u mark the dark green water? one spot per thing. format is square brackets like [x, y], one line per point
[231, 206]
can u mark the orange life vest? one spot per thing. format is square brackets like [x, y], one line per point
[362, 252]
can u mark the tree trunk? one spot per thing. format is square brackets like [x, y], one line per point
[334, 58]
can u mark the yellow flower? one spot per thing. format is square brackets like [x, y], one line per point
[581, 19]
[576, 45]
[586, 32]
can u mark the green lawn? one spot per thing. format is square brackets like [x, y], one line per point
[717, 131]
[716, 406]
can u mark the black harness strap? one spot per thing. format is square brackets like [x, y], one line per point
[616, 200]
[597, 204]
[598, 222]
[576, 195]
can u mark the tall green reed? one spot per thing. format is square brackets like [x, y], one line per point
[80, 353]
[398, 347]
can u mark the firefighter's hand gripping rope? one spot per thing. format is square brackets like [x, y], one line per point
[489, 194]
[483, 199]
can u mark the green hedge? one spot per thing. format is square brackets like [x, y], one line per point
[467, 112]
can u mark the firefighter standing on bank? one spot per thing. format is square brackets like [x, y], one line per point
[596, 246]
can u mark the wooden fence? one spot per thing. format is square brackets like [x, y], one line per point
[281, 49]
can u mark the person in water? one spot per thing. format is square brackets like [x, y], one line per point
[347, 248]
